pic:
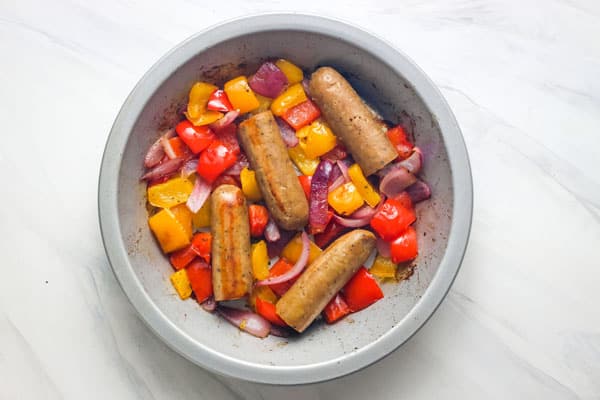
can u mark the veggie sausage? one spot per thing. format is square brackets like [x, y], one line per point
[352, 121]
[309, 295]
[231, 265]
[275, 174]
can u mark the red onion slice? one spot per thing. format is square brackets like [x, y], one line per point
[396, 181]
[414, 162]
[189, 167]
[344, 168]
[319, 188]
[337, 183]
[268, 80]
[287, 133]
[306, 87]
[209, 304]
[272, 233]
[383, 248]
[275, 248]
[156, 152]
[295, 270]
[246, 320]
[163, 169]
[281, 331]
[364, 211]
[352, 222]
[225, 120]
[418, 191]
[335, 154]
[199, 195]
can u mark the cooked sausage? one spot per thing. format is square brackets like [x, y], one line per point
[351, 120]
[322, 279]
[230, 228]
[275, 174]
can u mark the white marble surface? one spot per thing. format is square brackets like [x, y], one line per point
[522, 320]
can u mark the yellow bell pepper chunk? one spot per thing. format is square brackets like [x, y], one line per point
[260, 260]
[345, 199]
[181, 283]
[316, 139]
[170, 193]
[249, 185]
[198, 99]
[208, 117]
[264, 103]
[383, 267]
[305, 164]
[291, 251]
[184, 217]
[202, 218]
[264, 293]
[291, 97]
[241, 95]
[363, 186]
[169, 232]
[291, 71]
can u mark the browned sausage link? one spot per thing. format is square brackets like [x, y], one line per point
[275, 174]
[231, 265]
[309, 295]
[351, 120]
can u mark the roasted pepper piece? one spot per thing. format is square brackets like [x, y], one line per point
[184, 217]
[316, 139]
[199, 275]
[202, 218]
[392, 219]
[196, 137]
[291, 71]
[249, 185]
[264, 103]
[267, 311]
[291, 252]
[362, 290]
[259, 218]
[241, 95]
[213, 161]
[363, 186]
[305, 181]
[345, 199]
[405, 247]
[335, 309]
[302, 114]
[218, 101]
[399, 139]
[260, 260]
[291, 97]
[306, 165]
[169, 232]
[263, 292]
[171, 193]
[383, 267]
[182, 257]
[181, 283]
[280, 268]
[197, 113]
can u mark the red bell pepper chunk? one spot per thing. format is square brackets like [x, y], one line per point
[392, 219]
[301, 115]
[181, 258]
[405, 200]
[259, 217]
[218, 101]
[200, 276]
[331, 232]
[228, 135]
[215, 160]
[267, 311]
[197, 138]
[177, 148]
[397, 136]
[201, 245]
[279, 268]
[305, 181]
[362, 290]
[405, 247]
[336, 309]
[328, 218]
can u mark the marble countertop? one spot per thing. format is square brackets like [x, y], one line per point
[522, 319]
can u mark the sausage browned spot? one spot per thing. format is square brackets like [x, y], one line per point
[275, 174]
[322, 279]
[351, 120]
[231, 265]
